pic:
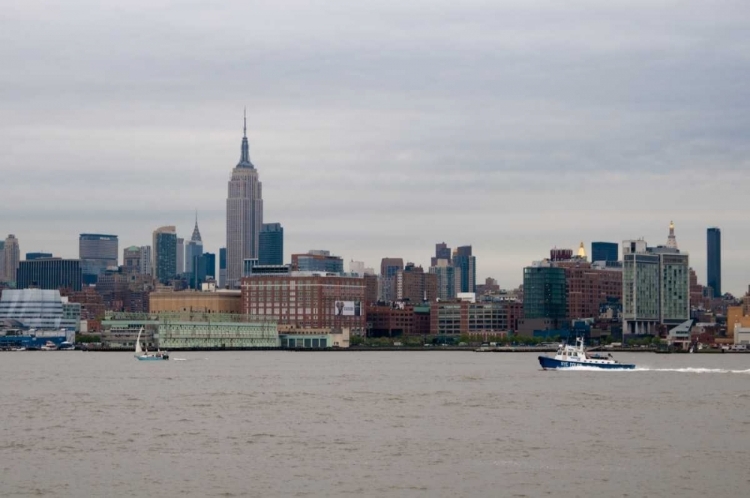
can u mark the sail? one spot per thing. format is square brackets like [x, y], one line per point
[138, 349]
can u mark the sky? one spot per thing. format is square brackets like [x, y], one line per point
[381, 128]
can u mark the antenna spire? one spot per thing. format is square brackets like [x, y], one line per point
[245, 151]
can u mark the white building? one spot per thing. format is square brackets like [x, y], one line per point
[38, 309]
[146, 266]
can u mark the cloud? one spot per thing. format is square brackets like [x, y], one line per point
[379, 129]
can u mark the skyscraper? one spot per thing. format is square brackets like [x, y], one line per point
[50, 273]
[544, 293]
[165, 253]
[244, 214]
[389, 268]
[2, 261]
[604, 251]
[147, 267]
[655, 285]
[222, 267]
[11, 258]
[442, 251]
[714, 260]
[204, 267]
[271, 244]
[131, 259]
[97, 252]
[463, 259]
[180, 255]
[194, 248]
[447, 284]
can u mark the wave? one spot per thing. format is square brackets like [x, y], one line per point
[694, 370]
[648, 369]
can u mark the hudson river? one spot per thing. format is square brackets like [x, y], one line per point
[433, 424]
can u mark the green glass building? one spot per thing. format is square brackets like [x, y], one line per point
[544, 292]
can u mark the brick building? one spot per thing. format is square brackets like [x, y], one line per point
[463, 317]
[587, 288]
[416, 286]
[394, 321]
[92, 305]
[306, 300]
[371, 289]
[125, 292]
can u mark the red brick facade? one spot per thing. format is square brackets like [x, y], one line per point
[304, 301]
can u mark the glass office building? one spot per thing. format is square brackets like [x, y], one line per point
[544, 292]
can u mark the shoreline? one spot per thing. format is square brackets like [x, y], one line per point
[467, 349]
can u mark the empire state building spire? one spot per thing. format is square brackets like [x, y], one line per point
[244, 215]
[245, 154]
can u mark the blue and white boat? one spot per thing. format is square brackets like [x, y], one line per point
[569, 356]
[142, 355]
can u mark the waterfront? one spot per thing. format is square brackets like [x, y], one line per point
[379, 424]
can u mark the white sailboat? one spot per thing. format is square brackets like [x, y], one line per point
[142, 355]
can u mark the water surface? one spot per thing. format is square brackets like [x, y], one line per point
[437, 424]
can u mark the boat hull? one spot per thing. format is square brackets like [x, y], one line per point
[548, 363]
[151, 358]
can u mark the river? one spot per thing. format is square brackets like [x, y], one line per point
[423, 423]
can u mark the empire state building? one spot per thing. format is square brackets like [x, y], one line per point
[244, 214]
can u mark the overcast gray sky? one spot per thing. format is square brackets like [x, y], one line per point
[381, 128]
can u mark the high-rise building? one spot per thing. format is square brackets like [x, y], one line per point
[640, 288]
[222, 267]
[463, 259]
[317, 260]
[604, 251]
[442, 251]
[165, 253]
[180, 255]
[244, 214]
[271, 244]
[50, 273]
[357, 267]
[131, 259]
[2, 261]
[147, 267]
[11, 258]
[713, 279]
[416, 286]
[655, 286]
[544, 292]
[31, 256]
[448, 286]
[204, 268]
[193, 249]
[97, 252]
[389, 267]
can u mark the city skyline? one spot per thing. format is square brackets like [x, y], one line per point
[511, 140]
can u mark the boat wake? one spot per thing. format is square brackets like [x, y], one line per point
[695, 370]
[647, 369]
